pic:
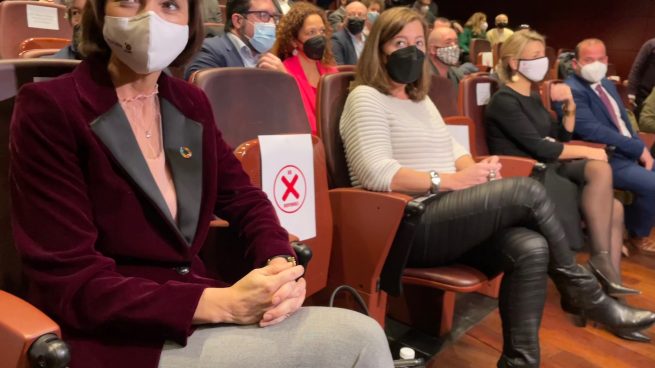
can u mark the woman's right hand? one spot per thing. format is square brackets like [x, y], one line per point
[472, 175]
[246, 301]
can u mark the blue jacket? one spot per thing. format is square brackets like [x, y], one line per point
[593, 122]
[343, 48]
[216, 52]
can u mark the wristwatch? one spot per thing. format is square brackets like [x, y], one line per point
[290, 259]
[435, 182]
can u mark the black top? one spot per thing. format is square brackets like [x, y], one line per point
[518, 125]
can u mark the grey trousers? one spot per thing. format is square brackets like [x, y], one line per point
[312, 337]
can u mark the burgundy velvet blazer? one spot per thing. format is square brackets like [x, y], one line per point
[103, 255]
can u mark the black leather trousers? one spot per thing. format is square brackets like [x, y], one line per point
[506, 225]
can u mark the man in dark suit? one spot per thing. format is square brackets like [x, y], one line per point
[240, 46]
[348, 43]
[601, 117]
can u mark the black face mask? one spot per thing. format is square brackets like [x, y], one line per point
[314, 48]
[406, 65]
[355, 25]
[501, 25]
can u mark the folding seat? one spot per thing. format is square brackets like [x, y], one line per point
[375, 264]
[25, 332]
[20, 20]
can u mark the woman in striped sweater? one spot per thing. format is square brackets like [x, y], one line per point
[396, 140]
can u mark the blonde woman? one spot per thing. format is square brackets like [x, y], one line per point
[578, 178]
[396, 140]
[475, 27]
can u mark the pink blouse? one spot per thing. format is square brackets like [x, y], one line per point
[143, 113]
[307, 91]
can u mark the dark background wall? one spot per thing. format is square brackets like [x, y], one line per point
[624, 25]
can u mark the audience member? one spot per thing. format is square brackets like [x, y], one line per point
[475, 27]
[577, 178]
[211, 12]
[283, 6]
[375, 7]
[601, 117]
[395, 140]
[249, 34]
[303, 45]
[442, 22]
[501, 32]
[642, 75]
[337, 16]
[111, 202]
[427, 8]
[444, 54]
[348, 43]
[647, 114]
[74, 15]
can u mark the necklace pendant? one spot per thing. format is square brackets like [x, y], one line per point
[148, 134]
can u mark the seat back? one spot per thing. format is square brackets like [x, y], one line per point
[346, 68]
[321, 245]
[37, 53]
[331, 98]
[248, 102]
[20, 20]
[444, 95]
[474, 94]
[545, 96]
[495, 51]
[477, 46]
[14, 74]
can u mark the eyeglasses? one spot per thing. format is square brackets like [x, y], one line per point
[264, 16]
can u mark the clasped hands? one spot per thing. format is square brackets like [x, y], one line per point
[266, 296]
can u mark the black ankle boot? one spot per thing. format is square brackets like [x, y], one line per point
[583, 297]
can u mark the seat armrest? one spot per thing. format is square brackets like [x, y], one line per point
[365, 224]
[515, 166]
[21, 325]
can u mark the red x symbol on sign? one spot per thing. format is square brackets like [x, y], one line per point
[290, 187]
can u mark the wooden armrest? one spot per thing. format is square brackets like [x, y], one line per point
[20, 325]
[219, 222]
[647, 138]
[365, 224]
[514, 165]
[576, 142]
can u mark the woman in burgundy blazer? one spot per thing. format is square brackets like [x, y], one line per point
[105, 257]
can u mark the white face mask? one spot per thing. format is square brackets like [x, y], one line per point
[594, 72]
[534, 70]
[484, 26]
[146, 43]
[448, 55]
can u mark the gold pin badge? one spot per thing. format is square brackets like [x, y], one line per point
[186, 152]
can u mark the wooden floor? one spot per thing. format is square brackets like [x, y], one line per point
[562, 344]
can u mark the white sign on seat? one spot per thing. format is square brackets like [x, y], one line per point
[288, 181]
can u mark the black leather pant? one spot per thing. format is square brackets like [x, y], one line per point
[506, 225]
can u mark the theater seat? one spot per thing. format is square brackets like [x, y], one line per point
[383, 256]
[24, 330]
[37, 53]
[248, 102]
[477, 46]
[45, 20]
[443, 94]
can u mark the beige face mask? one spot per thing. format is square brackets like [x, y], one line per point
[146, 42]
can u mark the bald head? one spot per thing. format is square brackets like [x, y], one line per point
[442, 37]
[502, 18]
[356, 9]
[589, 45]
